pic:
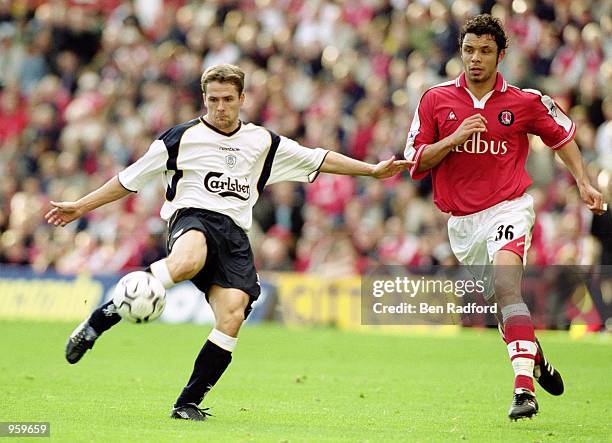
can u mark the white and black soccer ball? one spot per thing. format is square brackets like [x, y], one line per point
[139, 297]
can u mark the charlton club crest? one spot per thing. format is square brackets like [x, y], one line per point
[506, 118]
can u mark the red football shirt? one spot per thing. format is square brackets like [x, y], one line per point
[490, 166]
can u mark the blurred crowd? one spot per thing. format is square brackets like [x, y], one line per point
[87, 85]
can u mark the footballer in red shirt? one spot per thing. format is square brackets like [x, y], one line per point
[471, 134]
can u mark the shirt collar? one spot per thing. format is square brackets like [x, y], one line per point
[500, 84]
[219, 131]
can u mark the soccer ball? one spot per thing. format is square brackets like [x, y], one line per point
[139, 297]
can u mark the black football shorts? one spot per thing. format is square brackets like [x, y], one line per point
[229, 262]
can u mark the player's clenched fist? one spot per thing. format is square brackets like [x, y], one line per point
[472, 124]
[593, 199]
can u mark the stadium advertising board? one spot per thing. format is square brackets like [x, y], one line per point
[25, 294]
[558, 297]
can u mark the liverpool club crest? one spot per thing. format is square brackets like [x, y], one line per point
[230, 160]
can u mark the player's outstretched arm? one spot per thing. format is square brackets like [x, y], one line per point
[63, 213]
[336, 163]
[570, 155]
[435, 153]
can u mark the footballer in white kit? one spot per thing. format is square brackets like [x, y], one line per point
[212, 181]
[203, 167]
[214, 168]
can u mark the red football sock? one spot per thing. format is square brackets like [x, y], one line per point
[520, 338]
[503, 336]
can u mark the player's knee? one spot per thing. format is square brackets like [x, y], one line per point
[184, 267]
[507, 292]
[188, 256]
[502, 284]
[229, 323]
[507, 283]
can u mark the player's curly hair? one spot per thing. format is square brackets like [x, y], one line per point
[485, 24]
[223, 73]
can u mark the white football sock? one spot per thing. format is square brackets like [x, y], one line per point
[160, 270]
[222, 340]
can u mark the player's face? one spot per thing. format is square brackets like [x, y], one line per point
[223, 105]
[480, 58]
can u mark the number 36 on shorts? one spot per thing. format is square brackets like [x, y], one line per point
[475, 238]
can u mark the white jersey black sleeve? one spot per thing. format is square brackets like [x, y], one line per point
[161, 157]
[294, 162]
[152, 163]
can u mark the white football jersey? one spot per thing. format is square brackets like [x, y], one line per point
[203, 167]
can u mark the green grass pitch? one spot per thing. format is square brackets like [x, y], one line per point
[299, 385]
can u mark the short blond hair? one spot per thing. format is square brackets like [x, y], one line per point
[224, 73]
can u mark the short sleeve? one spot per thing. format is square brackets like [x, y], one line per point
[422, 133]
[153, 162]
[549, 122]
[294, 162]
